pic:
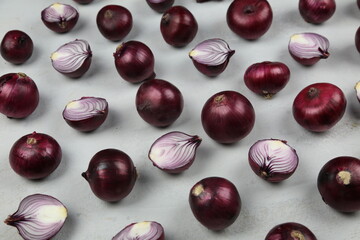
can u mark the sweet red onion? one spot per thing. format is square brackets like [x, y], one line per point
[318, 107]
[174, 152]
[339, 183]
[35, 155]
[134, 61]
[19, 95]
[111, 175]
[357, 39]
[114, 22]
[147, 230]
[249, 19]
[60, 17]
[16, 47]
[83, 1]
[227, 117]
[215, 202]
[267, 78]
[159, 102]
[86, 114]
[72, 59]
[160, 5]
[273, 160]
[308, 48]
[357, 90]
[178, 26]
[317, 11]
[211, 56]
[38, 217]
[290, 231]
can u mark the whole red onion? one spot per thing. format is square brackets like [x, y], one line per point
[250, 19]
[357, 39]
[227, 117]
[35, 156]
[317, 11]
[59, 17]
[339, 183]
[19, 95]
[160, 5]
[290, 231]
[83, 1]
[16, 47]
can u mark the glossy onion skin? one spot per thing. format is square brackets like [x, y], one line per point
[16, 47]
[249, 19]
[178, 26]
[215, 202]
[159, 102]
[35, 156]
[160, 6]
[228, 117]
[357, 39]
[319, 106]
[342, 194]
[290, 231]
[317, 11]
[111, 175]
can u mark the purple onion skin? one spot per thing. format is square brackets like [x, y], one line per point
[290, 230]
[357, 39]
[159, 102]
[215, 202]
[83, 1]
[61, 26]
[358, 3]
[35, 156]
[339, 183]
[16, 47]
[160, 6]
[317, 11]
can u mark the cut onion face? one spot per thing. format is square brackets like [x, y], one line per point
[357, 89]
[147, 230]
[60, 17]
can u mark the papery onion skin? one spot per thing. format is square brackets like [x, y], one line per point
[317, 11]
[35, 155]
[133, 231]
[178, 26]
[227, 117]
[319, 106]
[60, 18]
[111, 175]
[357, 39]
[114, 22]
[19, 95]
[339, 183]
[16, 47]
[290, 230]
[72, 59]
[272, 159]
[134, 61]
[160, 6]
[89, 120]
[174, 146]
[267, 78]
[211, 56]
[215, 202]
[83, 1]
[159, 102]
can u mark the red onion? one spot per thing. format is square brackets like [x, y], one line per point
[147, 230]
[16, 47]
[228, 117]
[267, 78]
[211, 56]
[357, 90]
[357, 39]
[308, 48]
[86, 114]
[35, 155]
[19, 95]
[273, 160]
[339, 183]
[83, 1]
[160, 5]
[290, 231]
[317, 11]
[72, 59]
[358, 3]
[38, 217]
[60, 17]
[174, 152]
[215, 202]
[111, 175]
[318, 107]
[178, 26]
[249, 19]
[114, 22]
[134, 61]
[159, 102]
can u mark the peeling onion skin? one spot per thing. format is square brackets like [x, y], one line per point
[60, 18]
[317, 11]
[27, 219]
[339, 183]
[357, 39]
[290, 230]
[160, 6]
[134, 231]
[16, 47]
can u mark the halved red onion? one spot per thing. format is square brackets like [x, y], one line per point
[290, 231]
[211, 56]
[174, 152]
[60, 17]
[38, 217]
[357, 89]
[273, 160]
[86, 114]
[308, 48]
[73, 58]
[147, 230]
